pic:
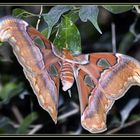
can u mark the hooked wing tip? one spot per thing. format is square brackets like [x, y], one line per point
[94, 125]
[93, 128]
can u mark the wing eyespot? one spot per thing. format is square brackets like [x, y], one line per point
[39, 42]
[103, 63]
[53, 70]
[88, 81]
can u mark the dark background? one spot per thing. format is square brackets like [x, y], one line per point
[92, 41]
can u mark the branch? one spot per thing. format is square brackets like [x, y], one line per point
[70, 113]
[113, 37]
[35, 129]
[39, 17]
[17, 114]
[124, 126]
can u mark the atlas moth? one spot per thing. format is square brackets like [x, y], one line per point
[101, 78]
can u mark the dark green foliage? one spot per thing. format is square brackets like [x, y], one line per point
[21, 13]
[10, 90]
[53, 16]
[68, 36]
[23, 128]
[117, 9]
[90, 13]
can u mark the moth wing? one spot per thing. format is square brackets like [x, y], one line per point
[103, 80]
[45, 84]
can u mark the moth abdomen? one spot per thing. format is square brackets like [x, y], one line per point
[67, 76]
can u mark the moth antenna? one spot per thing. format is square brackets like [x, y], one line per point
[113, 37]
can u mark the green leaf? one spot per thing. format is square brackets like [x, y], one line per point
[73, 16]
[26, 122]
[90, 13]
[52, 17]
[134, 117]
[10, 90]
[1, 43]
[22, 13]
[46, 30]
[68, 36]
[116, 9]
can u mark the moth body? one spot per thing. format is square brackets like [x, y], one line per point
[66, 75]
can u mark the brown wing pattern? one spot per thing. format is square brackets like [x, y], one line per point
[40, 66]
[112, 75]
[47, 81]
